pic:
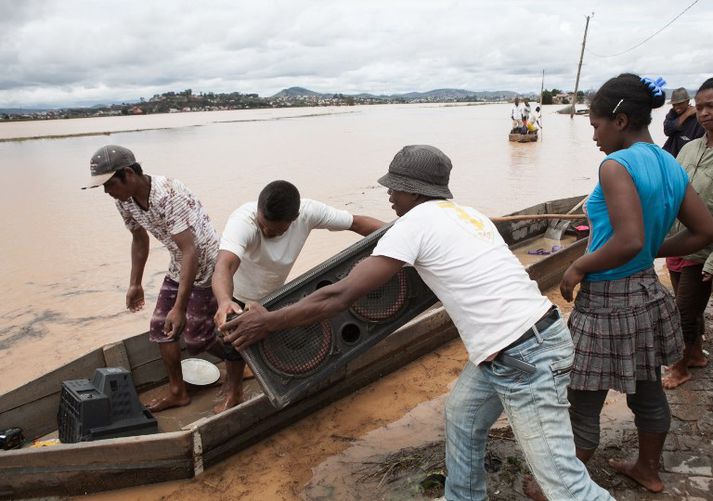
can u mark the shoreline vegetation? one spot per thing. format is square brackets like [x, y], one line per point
[125, 131]
[187, 101]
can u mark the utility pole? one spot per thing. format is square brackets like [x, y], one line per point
[542, 86]
[579, 68]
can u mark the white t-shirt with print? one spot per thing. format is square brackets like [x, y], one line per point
[266, 262]
[173, 208]
[460, 255]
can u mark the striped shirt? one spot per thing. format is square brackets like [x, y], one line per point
[172, 210]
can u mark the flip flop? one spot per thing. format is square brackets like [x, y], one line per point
[538, 252]
[556, 248]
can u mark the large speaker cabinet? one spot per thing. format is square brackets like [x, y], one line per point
[292, 363]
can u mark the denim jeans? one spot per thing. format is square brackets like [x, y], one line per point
[536, 406]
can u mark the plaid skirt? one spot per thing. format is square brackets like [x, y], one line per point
[623, 330]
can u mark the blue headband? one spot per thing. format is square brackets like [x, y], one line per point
[655, 86]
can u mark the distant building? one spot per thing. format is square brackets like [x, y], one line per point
[136, 110]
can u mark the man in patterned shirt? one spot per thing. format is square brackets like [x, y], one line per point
[169, 211]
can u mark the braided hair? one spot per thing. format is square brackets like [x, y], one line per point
[630, 95]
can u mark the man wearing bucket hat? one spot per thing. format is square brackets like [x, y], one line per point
[185, 306]
[680, 124]
[520, 351]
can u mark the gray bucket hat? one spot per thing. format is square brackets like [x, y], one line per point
[420, 169]
[680, 95]
[105, 162]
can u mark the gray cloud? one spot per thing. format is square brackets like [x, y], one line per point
[78, 51]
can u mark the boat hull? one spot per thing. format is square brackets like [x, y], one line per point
[522, 138]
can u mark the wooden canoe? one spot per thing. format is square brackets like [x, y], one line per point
[522, 138]
[71, 469]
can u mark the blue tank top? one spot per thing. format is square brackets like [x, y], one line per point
[661, 184]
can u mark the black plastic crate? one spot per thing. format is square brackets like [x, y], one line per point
[105, 407]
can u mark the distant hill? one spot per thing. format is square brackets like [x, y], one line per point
[295, 92]
[298, 92]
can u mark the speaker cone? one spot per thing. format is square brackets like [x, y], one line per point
[384, 303]
[298, 351]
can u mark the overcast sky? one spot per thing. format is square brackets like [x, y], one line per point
[70, 52]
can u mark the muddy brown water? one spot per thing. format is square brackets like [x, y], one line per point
[65, 255]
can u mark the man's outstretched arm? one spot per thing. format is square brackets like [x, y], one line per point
[257, 322]
[365, 225]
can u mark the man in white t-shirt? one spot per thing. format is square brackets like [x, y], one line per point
[519, 348]
[263, 239]
[185, 307]
[517, 115]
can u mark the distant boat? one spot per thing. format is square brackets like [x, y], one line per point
[523, 138]
[568, 109]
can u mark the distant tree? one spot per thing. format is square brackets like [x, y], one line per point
[580, 96]
[546, 97]
[556, 91]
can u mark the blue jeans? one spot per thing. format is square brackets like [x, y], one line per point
[536, 406]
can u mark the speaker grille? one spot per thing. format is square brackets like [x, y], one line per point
[384, 303]
[298, 351]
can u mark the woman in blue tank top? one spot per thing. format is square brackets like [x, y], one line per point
[625, 324]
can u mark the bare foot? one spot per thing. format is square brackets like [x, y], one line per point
[698, 361]
[676, 375]
[230, 401]
[532, 489]
[167, 402]
[633, 470]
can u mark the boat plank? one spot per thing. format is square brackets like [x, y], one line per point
[115, 355]
[70, 469]
[548, 272]
[36, 418]
[140, 350]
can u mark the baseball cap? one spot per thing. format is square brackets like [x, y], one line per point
[105, 162]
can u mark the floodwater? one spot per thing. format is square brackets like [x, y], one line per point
[65, 254]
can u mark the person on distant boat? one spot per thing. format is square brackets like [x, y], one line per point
[625, 323]
[519, 349]
[533, 120]
[525, 111]
[262, 240]
[680, 124]
[691, 275]
[185, 306]
[516, 115]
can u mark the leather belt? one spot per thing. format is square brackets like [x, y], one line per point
[543, 323]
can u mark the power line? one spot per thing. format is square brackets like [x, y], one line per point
[649, 38]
